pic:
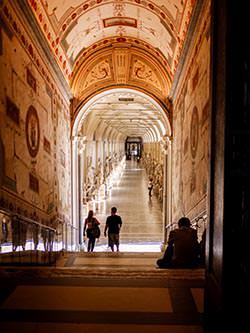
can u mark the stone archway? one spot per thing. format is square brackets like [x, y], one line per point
[94, 127]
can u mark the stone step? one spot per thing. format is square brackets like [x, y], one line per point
[118, 264]
[105, 272]
[105, 265]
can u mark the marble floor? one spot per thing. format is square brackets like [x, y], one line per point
[142, 228]
[101, 293]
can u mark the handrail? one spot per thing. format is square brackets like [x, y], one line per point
[24, 218]
[24, 240]
[197, 204]
[174, 224]
[202, 217]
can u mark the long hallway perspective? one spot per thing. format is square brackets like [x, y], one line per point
[108, 291]
[96, 98]
[141, 214]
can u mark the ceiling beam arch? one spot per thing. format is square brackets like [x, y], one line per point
[77, 106]
[124, 111]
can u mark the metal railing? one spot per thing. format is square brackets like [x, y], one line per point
[69, 235]
[199, 223]
[26, 241]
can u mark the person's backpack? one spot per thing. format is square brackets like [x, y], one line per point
[96, 231]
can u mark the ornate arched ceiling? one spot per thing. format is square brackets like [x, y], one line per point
[73, 26]
[121, 64]
[101, 45]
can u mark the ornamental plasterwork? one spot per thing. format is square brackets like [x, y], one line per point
[99, 72]
[143, 72]
[121, 66]
[127, 43]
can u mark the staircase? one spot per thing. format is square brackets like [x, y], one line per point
[119, 264]
[101, 292]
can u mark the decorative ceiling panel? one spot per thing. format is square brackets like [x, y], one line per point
[100, 72]
[124, 65]
[142, 71]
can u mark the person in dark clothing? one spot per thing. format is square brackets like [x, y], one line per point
[202, 248]
[91, 223]
[150, 187]
[183, 247]
[113, 225]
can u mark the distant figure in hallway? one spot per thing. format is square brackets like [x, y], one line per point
[93, 230]
[183, 247]
[113, 225]
[150, 187]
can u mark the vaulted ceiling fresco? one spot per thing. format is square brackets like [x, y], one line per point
[74, 26]
[101, 45]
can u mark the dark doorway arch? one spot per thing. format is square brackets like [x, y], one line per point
[133, 147]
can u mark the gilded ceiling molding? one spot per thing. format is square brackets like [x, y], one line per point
[101, 72]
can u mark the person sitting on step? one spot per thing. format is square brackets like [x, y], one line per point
[183, 247]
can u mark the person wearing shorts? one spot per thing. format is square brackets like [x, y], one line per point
[113, 226]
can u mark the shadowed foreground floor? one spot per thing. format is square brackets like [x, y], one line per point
[102, 292]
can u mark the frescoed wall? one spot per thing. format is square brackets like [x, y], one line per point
[34, 113]
[191, 103]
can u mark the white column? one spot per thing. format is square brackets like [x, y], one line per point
[81, 145]
[167, 181]
[75, 191]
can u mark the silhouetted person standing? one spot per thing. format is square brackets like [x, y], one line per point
[90, 224]
[150, 187]
[113, 225]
